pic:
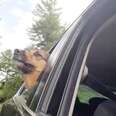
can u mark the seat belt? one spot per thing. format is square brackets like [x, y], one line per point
[100, 87]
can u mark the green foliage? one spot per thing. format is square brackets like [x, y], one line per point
[47, 28]
[9, 72]
[85, 93]
[11, 86]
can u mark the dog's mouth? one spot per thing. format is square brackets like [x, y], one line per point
[23, 66]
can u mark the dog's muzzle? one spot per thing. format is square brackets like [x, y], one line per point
[20, 61]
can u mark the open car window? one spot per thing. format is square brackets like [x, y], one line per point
[35, 94]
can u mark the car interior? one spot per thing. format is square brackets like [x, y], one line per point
[99, 99]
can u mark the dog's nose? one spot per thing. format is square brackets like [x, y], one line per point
[16, 51]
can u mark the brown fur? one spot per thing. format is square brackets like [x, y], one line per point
[38, 61]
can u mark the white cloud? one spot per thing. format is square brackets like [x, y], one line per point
[24, 17]
[2, 27]
[14, 40]
[33, 3]
[21, 2]
[17, 37]
[71, 9]
[17, 12]
[2, 1]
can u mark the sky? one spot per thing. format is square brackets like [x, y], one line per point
[16, 18]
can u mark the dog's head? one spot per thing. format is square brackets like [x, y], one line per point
[30, 63]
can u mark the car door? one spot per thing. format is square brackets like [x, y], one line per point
[61, 88]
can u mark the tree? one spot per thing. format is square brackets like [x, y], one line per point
[11, 77]
[47, 27]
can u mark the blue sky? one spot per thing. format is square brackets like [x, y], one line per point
[8, 8]
[16, 18]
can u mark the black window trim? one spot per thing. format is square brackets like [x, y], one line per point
[57, 66]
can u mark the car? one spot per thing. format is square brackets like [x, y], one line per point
[90, 41]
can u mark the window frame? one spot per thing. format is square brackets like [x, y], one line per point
[87, 38]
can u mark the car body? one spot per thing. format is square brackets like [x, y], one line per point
[57, 91]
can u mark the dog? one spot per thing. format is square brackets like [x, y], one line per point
[31, 63]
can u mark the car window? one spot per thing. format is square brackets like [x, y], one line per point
[52, 62]
[59, 89]
[61, 63]
[54, 55]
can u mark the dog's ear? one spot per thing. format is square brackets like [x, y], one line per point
[42, 53]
